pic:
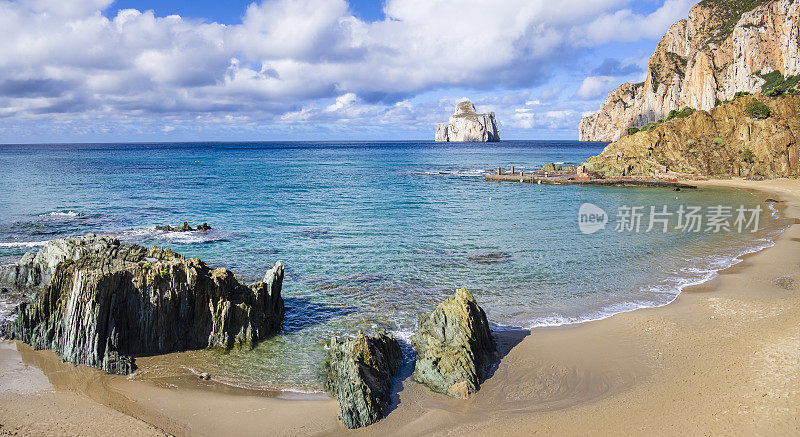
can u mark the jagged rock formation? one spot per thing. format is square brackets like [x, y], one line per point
[184, 228]
[359, 374]
[725, 46]
[117, 301]
[34, 270]
[455, 348]
[725, 141]
[467, 125]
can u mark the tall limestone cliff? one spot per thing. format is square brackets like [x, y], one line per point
[725, 46]
[467, 125]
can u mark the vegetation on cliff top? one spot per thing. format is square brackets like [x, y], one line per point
[724, 16]
[675, 113]
[776, 84]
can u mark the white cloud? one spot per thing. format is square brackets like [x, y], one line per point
[625, 25]
[65, 61]
[593, 87]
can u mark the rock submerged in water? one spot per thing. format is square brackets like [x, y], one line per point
[117, 301]
[467, 125]
[184, 228]
[359, 375]
[455, 348]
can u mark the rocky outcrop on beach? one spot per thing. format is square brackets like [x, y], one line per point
[34, 270]
[467, 125]
[117, 301]
[359, 376]
[184, 228]
[455, 348]
[724, 47]
[752, 137]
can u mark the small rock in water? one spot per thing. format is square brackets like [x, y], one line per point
[203, 227]
[490, 257]
[455, 348]
[184, 228]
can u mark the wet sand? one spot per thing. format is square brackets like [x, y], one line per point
[723, 358]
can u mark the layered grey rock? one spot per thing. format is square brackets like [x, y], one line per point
[359, 373]
[118, 301]
[33, 271]
[455, 348]
[467, 125]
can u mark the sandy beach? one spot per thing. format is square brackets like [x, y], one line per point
[723, 358]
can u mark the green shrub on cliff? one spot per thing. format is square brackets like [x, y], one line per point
[748, 156]
[718, 141]
[685, 112]
[758, 110]
[740, 94]
[775, 84]
[632, 130]
[651, 126]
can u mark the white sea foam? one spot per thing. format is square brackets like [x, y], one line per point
[773, 209]
[405, 336]
[60, 214]
[459, 173]
[190, 237]
[23, 244]
[697, 276]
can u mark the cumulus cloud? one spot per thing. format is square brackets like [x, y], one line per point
[287, 56]
[593, 87]
[625, 25]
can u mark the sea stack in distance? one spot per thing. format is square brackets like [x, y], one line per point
[468, 126]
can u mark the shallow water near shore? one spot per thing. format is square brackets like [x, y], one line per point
[372, 234]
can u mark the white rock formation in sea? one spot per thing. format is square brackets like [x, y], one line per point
[467, 125]
[725, 46]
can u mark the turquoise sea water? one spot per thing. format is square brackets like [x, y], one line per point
[371, 234]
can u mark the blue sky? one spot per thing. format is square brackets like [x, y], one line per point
[130, 70]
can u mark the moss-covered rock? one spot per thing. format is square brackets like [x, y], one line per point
[455, 348]
[359, 373]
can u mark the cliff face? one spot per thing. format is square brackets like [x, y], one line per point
[725, 141]
[117, 301]
[467, 125]
[725, 46]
